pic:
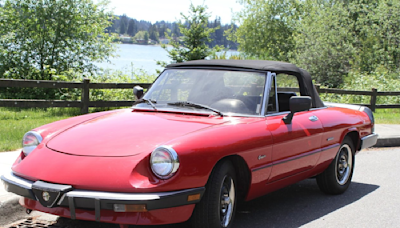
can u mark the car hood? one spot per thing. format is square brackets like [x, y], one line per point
[127, 133]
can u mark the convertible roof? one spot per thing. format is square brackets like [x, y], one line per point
[245, 64]
[306, 86]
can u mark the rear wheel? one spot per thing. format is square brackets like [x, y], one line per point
[337, 177]
[217, 207]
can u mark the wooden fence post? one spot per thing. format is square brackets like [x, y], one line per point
[317, 87]
[373, 99]
[85, 96]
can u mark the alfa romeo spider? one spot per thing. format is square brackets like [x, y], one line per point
[206, 135]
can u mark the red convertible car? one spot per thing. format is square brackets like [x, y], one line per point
[206, 135]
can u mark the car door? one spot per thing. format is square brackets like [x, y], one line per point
[296, 145]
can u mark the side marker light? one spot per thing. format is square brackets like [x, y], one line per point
[193, 197]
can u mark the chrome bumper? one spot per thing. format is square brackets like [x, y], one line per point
[368, 141]
[66, 196]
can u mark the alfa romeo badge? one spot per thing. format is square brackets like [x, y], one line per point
[46, 196]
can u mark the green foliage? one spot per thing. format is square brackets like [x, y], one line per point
[142, 35]
[219, 37]
[131, 28]
[123, 25]
[42, 38]
[266, 28]
[378, 43]
[381, 79]
[335, 38]
[153, 33]
[329, 38]
[131, 75]
[324, 42]
[146, 37]
[387, 116]
[126, 75]
[126, 25]
[193, 44]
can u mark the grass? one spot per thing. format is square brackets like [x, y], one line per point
[15, 122]
[387, 116]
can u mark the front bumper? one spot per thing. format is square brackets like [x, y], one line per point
[368, 141]
[66, 196]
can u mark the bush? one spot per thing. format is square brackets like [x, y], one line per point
[380, 79]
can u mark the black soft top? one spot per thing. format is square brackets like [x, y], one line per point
[306, 86]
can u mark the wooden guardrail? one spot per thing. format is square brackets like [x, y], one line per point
[374, 93]
[85, 87]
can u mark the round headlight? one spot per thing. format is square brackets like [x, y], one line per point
[30, 141]
[164, 162]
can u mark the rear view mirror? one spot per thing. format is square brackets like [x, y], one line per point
[138, 92]
[297, 104]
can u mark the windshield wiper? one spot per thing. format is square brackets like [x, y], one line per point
[195, 105]
[148, 101]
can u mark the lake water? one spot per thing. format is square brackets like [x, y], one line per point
[141, 56]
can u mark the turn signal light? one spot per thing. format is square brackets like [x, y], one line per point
[193, 197]
[130, 208]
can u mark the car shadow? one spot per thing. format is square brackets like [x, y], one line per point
[292, 206]
[297, 205]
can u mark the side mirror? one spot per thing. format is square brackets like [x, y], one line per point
[297, 104]
[138, 92]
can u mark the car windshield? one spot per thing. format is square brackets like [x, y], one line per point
[218, 91]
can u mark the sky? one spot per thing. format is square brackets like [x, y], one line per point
[169, 10]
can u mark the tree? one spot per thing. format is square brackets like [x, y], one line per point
[40, 38]
[175, 30]
[131, 28]
[266, 28]
[219, 32]
[324, 43]
[162, 29]
[230, 36]
[123, 24]
[153, 33]
[335, 38]
[196, 34]
[146, 37]
[378, 38]
[142, 35]
[113, 27]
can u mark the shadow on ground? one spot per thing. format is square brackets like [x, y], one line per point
[292, 206]
[297, 205]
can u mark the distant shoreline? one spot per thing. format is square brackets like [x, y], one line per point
[140, 57]
[122, 42]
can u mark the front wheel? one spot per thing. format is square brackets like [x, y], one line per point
[337, 177]
[217, 207]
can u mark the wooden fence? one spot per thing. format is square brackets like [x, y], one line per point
[85, 87]
[374, 93]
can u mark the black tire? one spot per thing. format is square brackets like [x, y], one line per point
[213, 211]
[337, 177]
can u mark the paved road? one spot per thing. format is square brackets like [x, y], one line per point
[373, 200]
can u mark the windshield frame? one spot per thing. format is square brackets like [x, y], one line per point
[175, 109]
